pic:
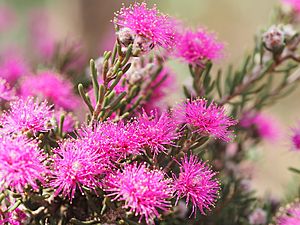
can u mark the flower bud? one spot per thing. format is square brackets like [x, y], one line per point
[126, 36]
[273, 38]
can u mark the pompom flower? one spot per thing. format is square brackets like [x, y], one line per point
[115, 140]
[145, 23]
[289, 215]
[6, 92]
[206, 119]
[196, 182]
[144, 191]
[198, 47]
[265, 126]
[20, 163]
[156, 131]
[27, 115]
[49, 85]
[75, 165]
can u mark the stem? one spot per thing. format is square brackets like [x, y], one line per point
[256, 75]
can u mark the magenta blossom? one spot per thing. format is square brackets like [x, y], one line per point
[290, 215]
[51, 86]
[115, 140]
[20, 163]
[26, 115]
[266, 126]
[6, 92]
[144, 191]
[196, 182]
[156, 131]
[149, 24]
[75, 165]
[206, 119]
[198, 47]
[12, 67]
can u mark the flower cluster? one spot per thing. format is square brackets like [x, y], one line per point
[20, 163]
[145, 27]
[26, 115]
[75, 165]
[144, 191]
[198, 47]
[154, 131]
[196, 182]
[206, 119]
[135, 157]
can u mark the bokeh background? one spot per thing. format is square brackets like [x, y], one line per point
[235, 22]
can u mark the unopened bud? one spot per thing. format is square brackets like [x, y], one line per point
[274, 38]
[126, 36]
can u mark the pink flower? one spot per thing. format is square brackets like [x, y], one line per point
[116, 140]
[296, 138]
[51, 86]
[26, 115]
[75, 165]
[6, 92]
[206, 119]
[12, 67]
[290, 215]
[295, 4]
[266, 126]
[156, 131]
[144, 191]
[20, 163]
[199, 46]
[196, 182]
[147, 25]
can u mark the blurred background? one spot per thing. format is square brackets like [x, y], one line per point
[235, 22]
